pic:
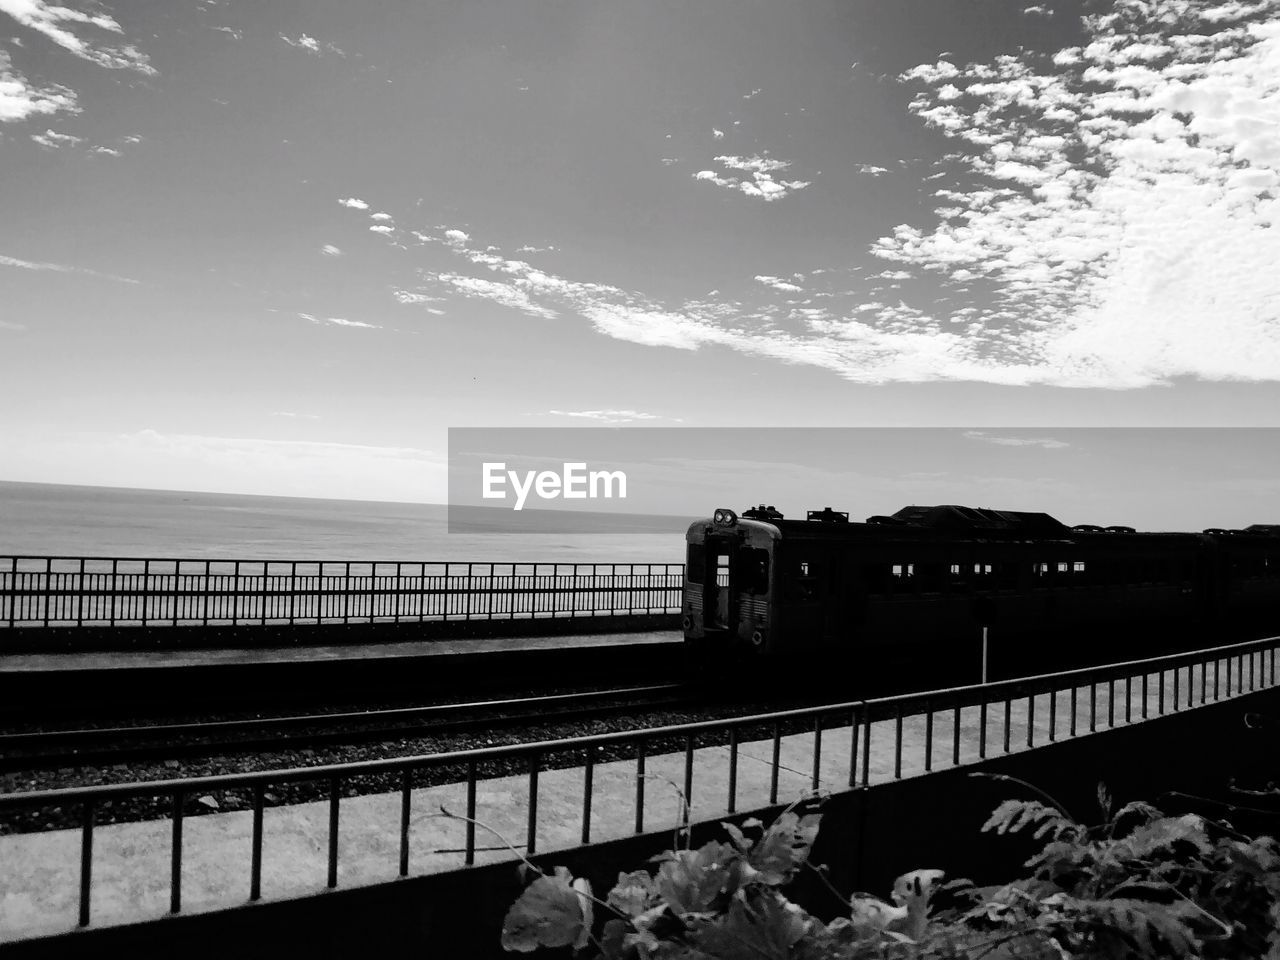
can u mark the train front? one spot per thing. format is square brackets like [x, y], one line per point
[728, 593]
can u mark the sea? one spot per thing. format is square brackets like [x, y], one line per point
[43, 519]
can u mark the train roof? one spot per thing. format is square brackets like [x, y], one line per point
[956, 522]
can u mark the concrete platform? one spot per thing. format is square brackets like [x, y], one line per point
[87, 683]
[111, 660]
[39, 872]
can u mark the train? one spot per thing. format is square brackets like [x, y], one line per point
[950, 583]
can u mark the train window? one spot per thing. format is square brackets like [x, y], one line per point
[1077, 566]
[982, 569]
[722, 570]
[1040, 569]
[807, 582]
[1064, 567]
[955, 569]
[695, 562]
[753, 570]
[903, 571]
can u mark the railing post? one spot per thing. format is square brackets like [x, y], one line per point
[640, 755]
[817, 752]
[334, 796]
[588, 779]
[406, 802]
[255, 866]
[471, 813]
[531, 840]
[175, 856]
[86, 860]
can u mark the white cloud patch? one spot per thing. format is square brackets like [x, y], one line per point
[606, 416]
[59, 268]
[355, 203]
[52, 140]
[382, 228]
[759, 183]
[1119, 202]
[21, 99]
[380, 216]
[67, 27]
[1045, 442]
[718, 134]
[310, 44]
[777, 283]
[329, 250]
[107, 151]
[338, 321]
[872, 169]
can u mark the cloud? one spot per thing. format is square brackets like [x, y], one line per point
[382, 228]
[718, 134]
[107, 151]
[233, 33]
[1117, 200]
[310, 44]
[872, 169]
[380, 216]
[606, 416]
[777, 283]
[59, 268]
[329, 250]
[338, 321]
[457, 236]
[63, 25]
[408, 298]
[753, 93]
[760, 184]
[20, 99]
[289, 414]
[52, 140]
[354, 203]
[506, 294]
[1045, 442]
[10, 325]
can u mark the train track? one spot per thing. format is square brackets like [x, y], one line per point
[107, 746]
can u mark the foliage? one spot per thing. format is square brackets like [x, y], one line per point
[1138, 885]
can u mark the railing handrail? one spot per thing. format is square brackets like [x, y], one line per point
[5, 557]
[892, 705]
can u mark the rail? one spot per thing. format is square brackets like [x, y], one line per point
[1222, 672]
[114, 591]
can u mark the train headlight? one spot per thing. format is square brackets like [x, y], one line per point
[724, 517]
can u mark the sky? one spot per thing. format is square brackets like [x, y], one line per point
[282, 247]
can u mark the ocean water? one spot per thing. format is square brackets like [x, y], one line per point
[38, 519]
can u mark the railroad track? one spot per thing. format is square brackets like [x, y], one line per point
[107, 746]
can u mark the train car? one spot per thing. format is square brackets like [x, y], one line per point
[926, 580]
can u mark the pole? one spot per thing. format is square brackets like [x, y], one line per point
[984, 653]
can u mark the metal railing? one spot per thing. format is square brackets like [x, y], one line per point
[111, 591]
[1223, 672]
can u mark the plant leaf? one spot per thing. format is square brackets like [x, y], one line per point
[633, 894]
[692, 880]
[547, 914]
[784, 848]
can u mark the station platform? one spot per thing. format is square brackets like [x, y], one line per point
[80, 681]
[39, 872]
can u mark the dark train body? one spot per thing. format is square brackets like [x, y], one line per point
[919, 586]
